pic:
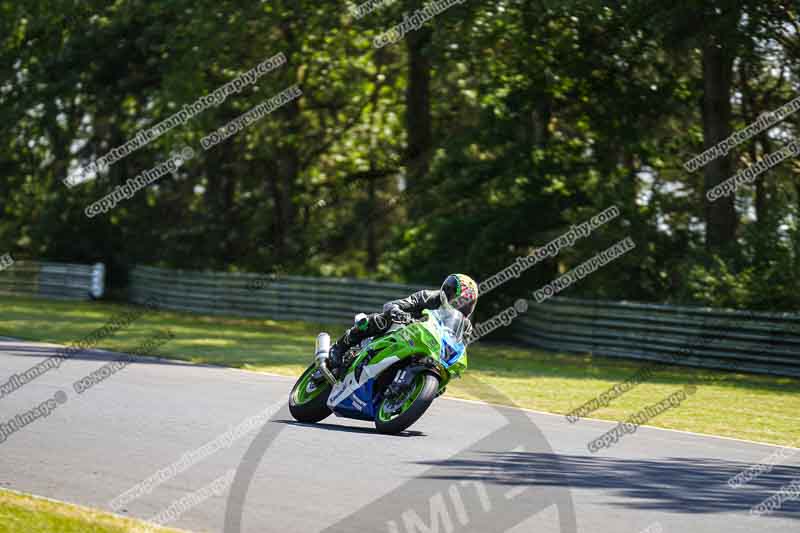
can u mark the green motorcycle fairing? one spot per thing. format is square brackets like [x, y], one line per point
[438, 338]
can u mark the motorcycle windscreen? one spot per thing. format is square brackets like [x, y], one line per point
[451, 325]
[451, 351]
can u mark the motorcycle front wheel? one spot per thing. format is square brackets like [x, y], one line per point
[308, 401]
[396, 414]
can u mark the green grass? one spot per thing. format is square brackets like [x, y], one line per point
[23, 513]
[759, 408]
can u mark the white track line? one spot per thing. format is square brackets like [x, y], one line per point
[525, 409]
[489, 404]
[617, 422]
[154, 527]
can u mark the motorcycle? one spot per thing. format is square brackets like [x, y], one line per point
[391, 379]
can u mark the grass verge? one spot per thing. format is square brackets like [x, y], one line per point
[759, 408]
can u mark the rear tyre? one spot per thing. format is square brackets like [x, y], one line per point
[392, 418]
[308, 401]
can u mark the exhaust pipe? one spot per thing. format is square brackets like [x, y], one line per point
[321, 355]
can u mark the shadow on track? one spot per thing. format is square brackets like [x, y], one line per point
[350, 429]
[674, 484]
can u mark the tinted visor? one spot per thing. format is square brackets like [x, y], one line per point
[468, 306]
[465, 301]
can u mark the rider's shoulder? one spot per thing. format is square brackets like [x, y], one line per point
[428, 294]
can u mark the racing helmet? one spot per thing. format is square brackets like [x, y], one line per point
[461, 292]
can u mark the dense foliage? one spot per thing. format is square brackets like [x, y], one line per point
[474, 139]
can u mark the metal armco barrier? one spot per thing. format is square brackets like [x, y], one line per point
[694, 336]
[767, 343]
[64, 281]
[319, 300]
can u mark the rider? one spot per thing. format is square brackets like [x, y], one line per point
[460, 290]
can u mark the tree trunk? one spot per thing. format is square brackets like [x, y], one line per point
[372, 238]
[219, 200]
[747, 70]
[418, 106]
[287, 169]
[765, 190]
[720, 214]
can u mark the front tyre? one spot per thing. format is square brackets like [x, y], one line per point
[396, 414]
[308, 401]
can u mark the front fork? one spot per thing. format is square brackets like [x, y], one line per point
[405, 377]
[402, 380]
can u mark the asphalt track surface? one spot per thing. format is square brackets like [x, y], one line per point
[450, 473]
